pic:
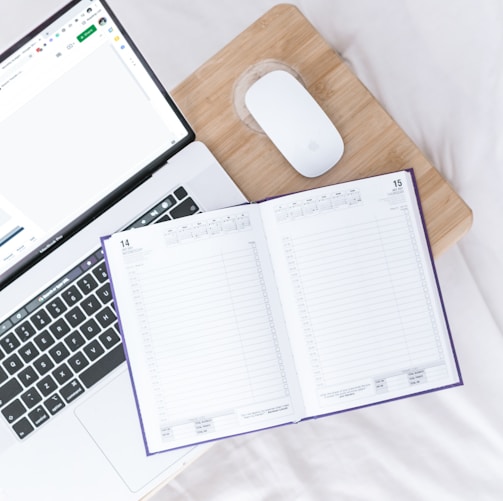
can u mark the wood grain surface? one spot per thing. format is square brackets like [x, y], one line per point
[212, 99]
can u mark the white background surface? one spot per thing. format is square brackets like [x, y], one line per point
[437, 68]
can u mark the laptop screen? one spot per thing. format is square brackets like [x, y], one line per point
[82, 120]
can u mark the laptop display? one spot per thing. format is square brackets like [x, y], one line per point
[63, 164]
[91, 143]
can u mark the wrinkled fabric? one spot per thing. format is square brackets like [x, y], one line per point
[436, 68]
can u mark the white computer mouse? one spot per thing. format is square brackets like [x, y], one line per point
[295, 123]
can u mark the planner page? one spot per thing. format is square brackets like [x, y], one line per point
[364, 314]
[207, 354]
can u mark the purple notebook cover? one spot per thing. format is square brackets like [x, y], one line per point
[459, 383]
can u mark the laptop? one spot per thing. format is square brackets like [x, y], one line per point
[90, 143]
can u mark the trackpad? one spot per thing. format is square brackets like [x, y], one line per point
[111, 419]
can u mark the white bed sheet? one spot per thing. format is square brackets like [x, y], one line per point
[437, 68]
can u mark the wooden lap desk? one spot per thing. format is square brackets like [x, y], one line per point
[212, 99]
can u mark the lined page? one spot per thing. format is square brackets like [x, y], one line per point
[203, 344]
[360, 295]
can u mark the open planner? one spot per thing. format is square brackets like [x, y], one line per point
[273, 312]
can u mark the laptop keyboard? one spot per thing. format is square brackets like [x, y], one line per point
[67, 339]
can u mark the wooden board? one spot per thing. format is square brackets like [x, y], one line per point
[212, 100]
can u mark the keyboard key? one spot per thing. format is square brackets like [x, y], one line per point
[59, 352]
[38, 416]
[25, 331]
[180, 193]
[9, 390]
[3, 376]
[44, 340]
[10, 342]
[186, 208]
[28, 352]
[23, 428]
[74, 341]
[31, 398]
[14, 411]
[43, 364]
[90, 305]
[40, 319]
[28, 376]
[87, 284]
[47, 386]
[78, 362]
[62, 374]
[103, 366]
[106, 317]
[90, 328]
[71, 391]
[100, 272]
[75, 316]
[59, 328]
[71, 295]
[109, 338]
[93, 350]
[104, 293]
[54, 404]
[56, 307]
[13, 364]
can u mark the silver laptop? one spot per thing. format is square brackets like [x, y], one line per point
[89, 143]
